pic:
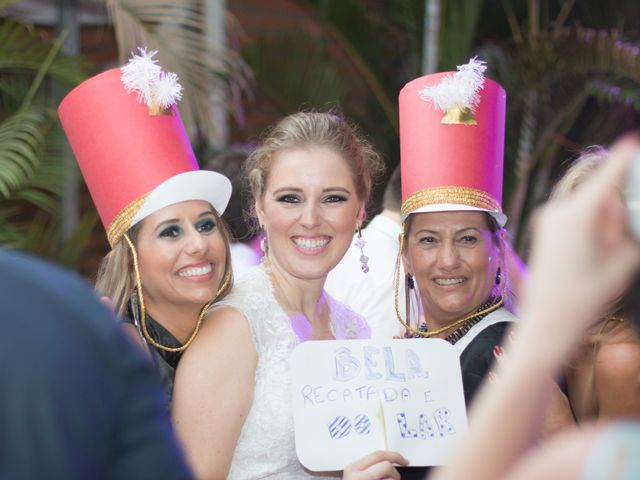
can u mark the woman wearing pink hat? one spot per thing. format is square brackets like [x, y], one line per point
[170, 250]
[451, 146]
[451, 153]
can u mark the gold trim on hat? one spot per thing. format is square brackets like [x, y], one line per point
[471, 197]
[119, 225]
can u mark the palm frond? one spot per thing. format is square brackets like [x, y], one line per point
[367, 75]
[626, 93]
[460, 20]
[306, 73]
[45, 187]
[23, 51]
[600, 51]
[572, 54]
[70, 251]
[564, 66]
[10, 235]
[178, 30]
[22, 137]
[43, 236]
[32, 168]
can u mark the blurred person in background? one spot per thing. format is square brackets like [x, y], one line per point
[602, 377]
[245, 249]
[79, 401]
[583, 256]
[367, 287]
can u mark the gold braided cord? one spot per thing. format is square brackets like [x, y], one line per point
[396, 278]
[143, 321]
[431, 333]
[471, 197]
[122, 222]
[484, 311]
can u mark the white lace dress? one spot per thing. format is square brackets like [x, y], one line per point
[266, 447]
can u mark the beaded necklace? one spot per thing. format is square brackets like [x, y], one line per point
[489, 306]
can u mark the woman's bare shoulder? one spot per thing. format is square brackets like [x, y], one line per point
[223, 329]
[617, 382]
[619, 359]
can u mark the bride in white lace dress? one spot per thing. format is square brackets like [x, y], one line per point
[232, 409]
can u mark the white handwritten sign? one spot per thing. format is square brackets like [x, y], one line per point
[352, 397]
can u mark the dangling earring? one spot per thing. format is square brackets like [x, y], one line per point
[498, 276]
[360, 243]
[264, 243]
[409, 280]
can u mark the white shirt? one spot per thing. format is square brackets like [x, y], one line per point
[371, 294]
[243, 257]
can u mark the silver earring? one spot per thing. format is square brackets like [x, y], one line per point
[264, 244]
[360, 243]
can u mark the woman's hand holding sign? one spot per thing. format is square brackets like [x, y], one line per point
[376, 466]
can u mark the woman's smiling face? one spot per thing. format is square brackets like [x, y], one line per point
[454, 258]
[181, 255]
[309, 210]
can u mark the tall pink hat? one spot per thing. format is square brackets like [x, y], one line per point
[452, 142]
[131, 145]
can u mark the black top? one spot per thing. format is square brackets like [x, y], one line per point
[475, 361]
[78, 399]
[164, 362]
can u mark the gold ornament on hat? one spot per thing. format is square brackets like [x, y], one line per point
[157, 89]
[457, 95]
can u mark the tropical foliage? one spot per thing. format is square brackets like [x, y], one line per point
[35, 168]
[208, 66]
[32, 164]
[568, 87]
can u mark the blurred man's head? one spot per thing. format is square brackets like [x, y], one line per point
[392, 199]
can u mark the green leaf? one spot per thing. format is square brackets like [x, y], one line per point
[71, 250]
[303, 78]
[22, 137]
[178, 30]
[23, 51]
